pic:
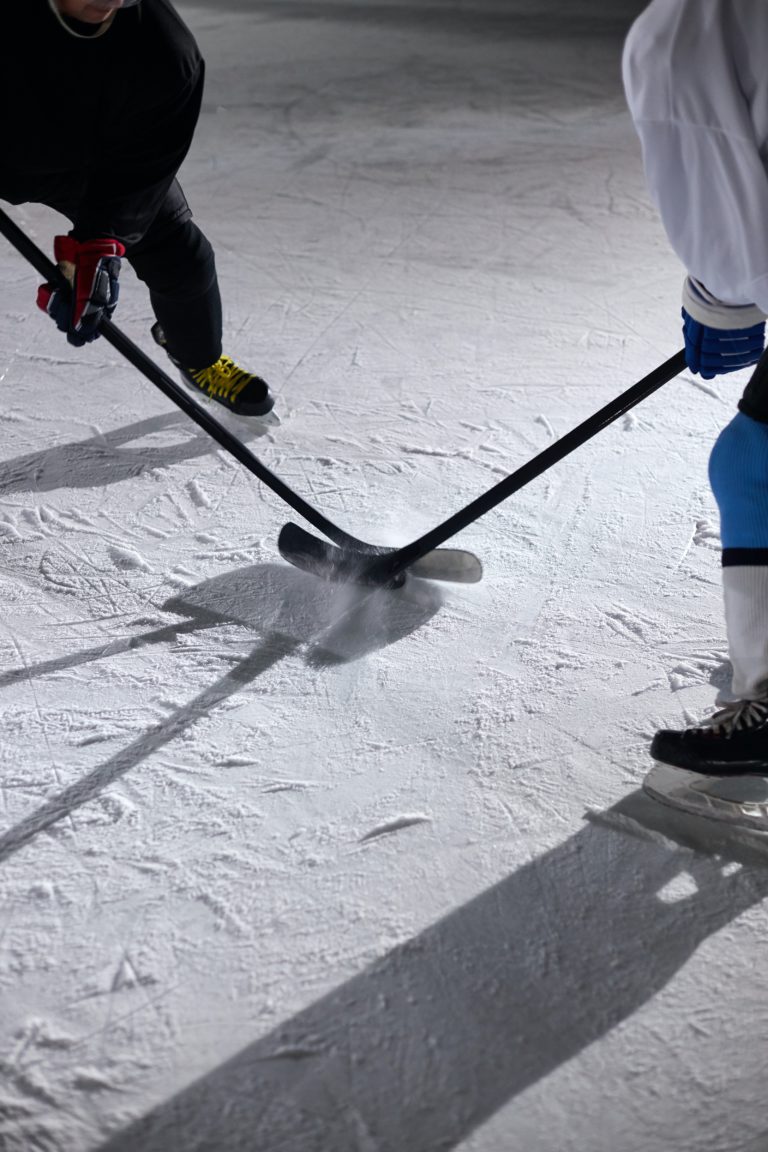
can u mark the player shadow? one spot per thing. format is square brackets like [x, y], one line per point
[109, 457]
[293, 615]
[104, 458]
[430, 1041]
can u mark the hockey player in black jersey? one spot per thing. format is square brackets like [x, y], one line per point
[697, 88]
[97, 130]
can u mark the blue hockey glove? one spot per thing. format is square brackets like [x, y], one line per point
[719, 337]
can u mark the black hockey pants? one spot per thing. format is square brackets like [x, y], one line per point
[176, 262]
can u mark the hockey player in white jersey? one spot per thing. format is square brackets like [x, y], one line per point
[696, 80]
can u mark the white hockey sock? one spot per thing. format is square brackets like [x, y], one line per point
[745, 590]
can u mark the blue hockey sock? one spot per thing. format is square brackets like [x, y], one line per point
[738, 473]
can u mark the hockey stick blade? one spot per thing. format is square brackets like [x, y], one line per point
[369, 566]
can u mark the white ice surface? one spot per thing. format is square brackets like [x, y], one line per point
[284, 871]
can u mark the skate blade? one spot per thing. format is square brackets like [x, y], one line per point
[234, 421]
[245, 428]
[250, 427]
[642, 816]
[740, 801]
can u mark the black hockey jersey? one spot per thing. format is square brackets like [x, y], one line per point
[103, 122]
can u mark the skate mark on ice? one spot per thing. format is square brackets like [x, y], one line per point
[654, 684]
[196, 494]
[707, 535]
[56, 572]
[127, 559]
[126, 976]
[707, 389]
[685, 676]
[92, 1080]
[427, 450]
[288, 610]
[72, 571]
[79, 517]
[288, 786]
[8, 529]
[708, 667]
[235, 762]
[541, 419]
[122, 529]
[467, 454]
[629, 624]
[295, 1052]
[396, 825]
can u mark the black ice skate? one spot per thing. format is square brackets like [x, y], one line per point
[733, 742]
[239, 391]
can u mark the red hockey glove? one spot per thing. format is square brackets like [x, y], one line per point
[92, 268]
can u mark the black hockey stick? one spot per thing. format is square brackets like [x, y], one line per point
[306, 551]
[448, 564]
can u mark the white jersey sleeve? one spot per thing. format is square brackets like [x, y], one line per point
[696, 79]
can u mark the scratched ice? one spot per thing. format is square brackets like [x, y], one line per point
[288, 866]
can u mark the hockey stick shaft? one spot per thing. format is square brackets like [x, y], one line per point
[177, 394]
[398, 561]
[392, 563]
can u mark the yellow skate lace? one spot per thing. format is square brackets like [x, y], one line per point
[223, 378]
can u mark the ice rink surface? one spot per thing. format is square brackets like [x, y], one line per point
[284, 868]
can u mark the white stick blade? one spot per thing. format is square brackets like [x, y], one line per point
[451, 564]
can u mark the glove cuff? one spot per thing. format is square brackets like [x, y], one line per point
[67, 250]
[705, 308]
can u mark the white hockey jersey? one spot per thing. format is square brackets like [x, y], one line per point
[696, 79]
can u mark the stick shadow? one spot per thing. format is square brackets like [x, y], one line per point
[432, 1040]
[109, 458]
[293, 614]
